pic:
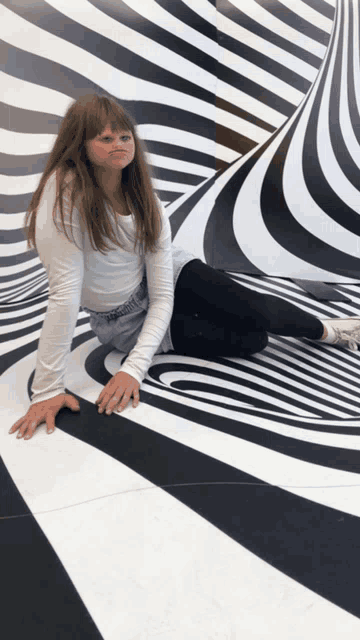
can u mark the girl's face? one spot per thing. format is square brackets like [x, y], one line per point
[111, 150]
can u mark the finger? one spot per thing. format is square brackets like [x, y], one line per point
[30, 431]
[27, 430]
[126, 399]
[16, 425]
[113, 404]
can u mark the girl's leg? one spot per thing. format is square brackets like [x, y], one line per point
[206, 297]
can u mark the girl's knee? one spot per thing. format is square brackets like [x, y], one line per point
[253, 343]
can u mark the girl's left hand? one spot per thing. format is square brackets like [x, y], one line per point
[117, 393]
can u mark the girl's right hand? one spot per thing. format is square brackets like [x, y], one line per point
[44, 411]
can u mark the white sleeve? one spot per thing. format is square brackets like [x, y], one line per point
[64, 264]
[159, 273]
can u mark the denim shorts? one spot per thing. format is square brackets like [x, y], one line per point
[120, 327]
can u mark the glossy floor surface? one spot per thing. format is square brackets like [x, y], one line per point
[225, 507]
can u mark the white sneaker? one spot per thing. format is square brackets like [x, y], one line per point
[343, 331]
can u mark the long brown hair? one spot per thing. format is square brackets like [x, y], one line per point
[84, 120]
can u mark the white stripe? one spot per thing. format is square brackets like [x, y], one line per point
[252, 105]
[345, 121]
[303, 208]
[356, 61]
[308, 388]
[192, 231]
[253, 236]
[155, 14]
[10, 221]
[268, 466]
[302, 10]
[179, 165]
[17, 314]
[265, 47]
[14, 249]
[186, 139]
[327, 159]
[15, 143]
[165, 185]
[18, 144]
[28, 37]
[23, 94]
[265, 395]
[333, 382]
[16, 185]
[253, 72]
[266, 19]
[18, 268]
[163, 57]
[204, 9]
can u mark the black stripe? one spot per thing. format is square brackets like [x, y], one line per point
[171, 175]
[129, 17]
[295, 21]
[352, 103]
[9, 236]
[168, 196]
[22, 165]
[322, 7]
[17, 259]
[25, 121]
[186, 15]
[21, 274]
[319, 188]
[233, 13]
[263, 62]
[34, 575]
[15, 203]
[168, 150]
[107, 50]
[347, 164]
[284, 228]
[245, 115]
[221, 247]
[179, 216]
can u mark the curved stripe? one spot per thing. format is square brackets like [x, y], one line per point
[235, 36]
[187, 168]
[307, 246]
[321, 7]
[188, 14]
[305, 11]
[294, 19]
[271, 74]
[303, 46]
[322, 190]
[25, 121]
[22, 165]
[203, 8]
[105, 73]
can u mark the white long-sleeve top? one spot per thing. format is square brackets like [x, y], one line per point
[86, 277]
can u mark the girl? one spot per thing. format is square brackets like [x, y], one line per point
[144, 295]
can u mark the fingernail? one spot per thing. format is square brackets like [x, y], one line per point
[26, 437]
[100, 410]
[18, 435]
[108, 411]
[51, 431]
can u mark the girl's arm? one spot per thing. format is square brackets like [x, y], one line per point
[159, 273]
[64, 264]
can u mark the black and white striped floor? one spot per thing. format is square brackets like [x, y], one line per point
[225, 506]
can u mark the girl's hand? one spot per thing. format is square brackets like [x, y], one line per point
[117, 393]
[44, 411]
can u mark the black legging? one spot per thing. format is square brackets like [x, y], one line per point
[215, 316]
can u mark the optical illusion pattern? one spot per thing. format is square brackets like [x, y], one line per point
[229, 101]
